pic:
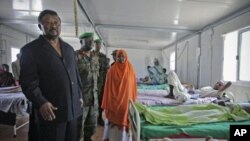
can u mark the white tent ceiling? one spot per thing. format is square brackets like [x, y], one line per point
[143, 24]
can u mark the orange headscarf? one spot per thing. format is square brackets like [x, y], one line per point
[120, 87]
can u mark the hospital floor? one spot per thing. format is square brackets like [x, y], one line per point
[6, 132]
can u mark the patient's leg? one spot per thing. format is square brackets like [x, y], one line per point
[245, 106]
[176, 88]
[172, 81]
[171, 93]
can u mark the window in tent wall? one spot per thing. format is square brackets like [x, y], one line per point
[236, 56]
[172, 61]
[244, 55]
[14, 52]
[230, 53]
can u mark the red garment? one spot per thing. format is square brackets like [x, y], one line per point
[6, 79]
[120, 87]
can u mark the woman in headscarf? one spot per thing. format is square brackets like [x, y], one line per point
[157, 73]
[120, 87]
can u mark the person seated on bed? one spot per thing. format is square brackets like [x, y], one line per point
[177, 90]
[157, 73]
[181, 93]
[6, 78]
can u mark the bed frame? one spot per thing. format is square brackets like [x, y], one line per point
[135, 122]
[136, 129]
[10, 118]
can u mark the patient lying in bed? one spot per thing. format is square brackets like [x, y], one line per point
[184, 115]
[182, 93]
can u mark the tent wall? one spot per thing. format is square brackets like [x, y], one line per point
[206, 48]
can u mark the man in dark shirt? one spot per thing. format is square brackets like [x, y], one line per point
[50, 80]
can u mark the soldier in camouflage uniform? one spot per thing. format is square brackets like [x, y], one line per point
[114, 56]
[88, 66]
[102, 75]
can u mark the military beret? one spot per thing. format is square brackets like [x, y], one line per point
[98, 41]
[86, 35]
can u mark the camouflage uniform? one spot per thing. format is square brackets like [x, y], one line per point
[89, 72]
[101, 80]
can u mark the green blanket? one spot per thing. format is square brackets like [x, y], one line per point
[218, 130]
[192, 114]
[153, 87]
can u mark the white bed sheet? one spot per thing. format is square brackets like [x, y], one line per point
[13, 102]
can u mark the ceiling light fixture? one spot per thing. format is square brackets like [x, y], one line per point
[176, 22]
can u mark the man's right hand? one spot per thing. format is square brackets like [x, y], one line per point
[47, 111]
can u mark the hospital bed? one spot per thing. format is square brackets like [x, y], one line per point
[144, 131]
[156, 95]
[13, 103]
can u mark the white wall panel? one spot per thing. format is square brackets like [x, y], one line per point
[10, 38]
[187, 59]
[166, 56]
[205, 59]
